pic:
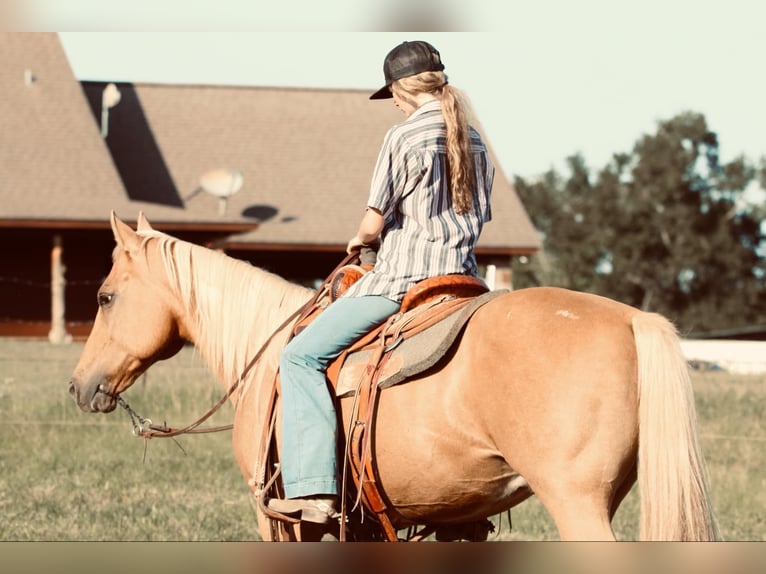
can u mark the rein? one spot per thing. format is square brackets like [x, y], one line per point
[144, 428]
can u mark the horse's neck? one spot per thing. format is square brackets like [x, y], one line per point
[237, 315]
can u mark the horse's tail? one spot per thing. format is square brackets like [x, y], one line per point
[675, 504]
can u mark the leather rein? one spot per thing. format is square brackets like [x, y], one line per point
[144, 428]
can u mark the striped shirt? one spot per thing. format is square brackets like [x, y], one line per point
[422, 235]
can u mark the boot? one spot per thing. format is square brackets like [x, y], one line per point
[311, 508]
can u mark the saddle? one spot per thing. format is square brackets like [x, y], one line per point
[430, 320]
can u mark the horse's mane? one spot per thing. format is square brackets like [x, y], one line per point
[235, 306]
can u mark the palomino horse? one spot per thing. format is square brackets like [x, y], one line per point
[565, 395]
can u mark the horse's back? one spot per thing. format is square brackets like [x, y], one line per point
[540, 302]
[552, 326]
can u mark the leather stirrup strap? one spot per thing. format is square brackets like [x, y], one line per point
[360, 451]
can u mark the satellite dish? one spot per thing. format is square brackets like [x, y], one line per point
[222, 183]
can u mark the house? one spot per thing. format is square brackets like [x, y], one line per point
[278, 177]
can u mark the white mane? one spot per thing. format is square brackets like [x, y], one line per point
[235, 306]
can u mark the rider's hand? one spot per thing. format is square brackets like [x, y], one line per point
[355, 244]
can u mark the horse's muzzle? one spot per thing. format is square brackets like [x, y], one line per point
[92, 399]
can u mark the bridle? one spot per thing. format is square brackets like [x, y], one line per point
[144, 428]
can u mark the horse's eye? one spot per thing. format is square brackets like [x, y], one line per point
[105, 299]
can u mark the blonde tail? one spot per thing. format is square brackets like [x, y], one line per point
[675, 504]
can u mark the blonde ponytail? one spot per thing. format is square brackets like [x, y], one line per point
[455, 111]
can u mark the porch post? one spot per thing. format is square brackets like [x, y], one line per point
[499, 274]
[58, 334]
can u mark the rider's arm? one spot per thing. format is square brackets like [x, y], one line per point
[369, 230]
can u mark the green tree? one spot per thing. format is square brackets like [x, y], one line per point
[664, 228]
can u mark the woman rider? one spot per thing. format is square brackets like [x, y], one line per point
[429, 197]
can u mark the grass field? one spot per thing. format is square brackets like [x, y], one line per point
[70, 476]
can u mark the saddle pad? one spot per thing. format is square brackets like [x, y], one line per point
[415, 354]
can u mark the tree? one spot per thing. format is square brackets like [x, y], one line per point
[560, 209]
[664, 228]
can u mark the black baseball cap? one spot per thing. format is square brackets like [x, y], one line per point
[408, 59]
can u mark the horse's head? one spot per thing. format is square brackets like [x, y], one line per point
[136, 325]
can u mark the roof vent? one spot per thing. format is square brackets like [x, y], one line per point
[29, 77]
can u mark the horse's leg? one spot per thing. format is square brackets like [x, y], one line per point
[588, 478]
[579, 516]
[587, 458]
[582, 479]
[623, 490]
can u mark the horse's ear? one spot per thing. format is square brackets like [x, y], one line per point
[125, 237]
[143, 223]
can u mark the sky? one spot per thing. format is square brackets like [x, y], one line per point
[546, 79]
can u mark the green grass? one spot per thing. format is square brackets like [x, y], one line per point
[66, 475]
[70, 476]
[732, 416]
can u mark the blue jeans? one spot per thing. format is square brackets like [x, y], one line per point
[309, 423]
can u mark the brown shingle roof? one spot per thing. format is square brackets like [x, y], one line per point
[53, 162]
[306, 155]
